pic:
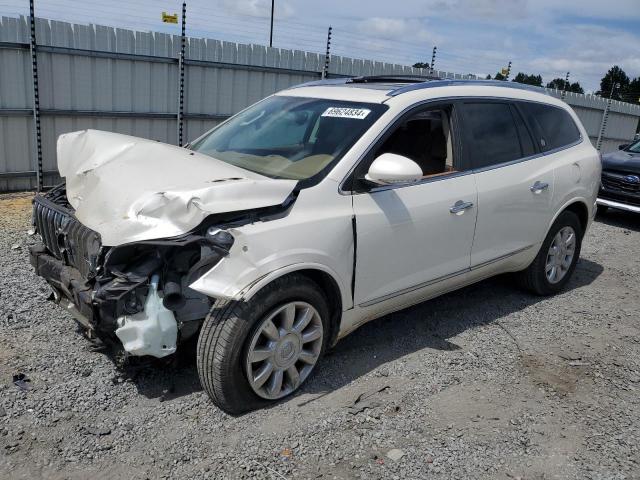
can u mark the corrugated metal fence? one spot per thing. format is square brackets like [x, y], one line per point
[125, 81]
[621, 124]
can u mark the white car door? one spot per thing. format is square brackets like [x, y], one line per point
[515, 186]
[410, 236]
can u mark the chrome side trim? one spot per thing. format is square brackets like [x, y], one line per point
[435, 178]
[501, 257]
[530, 157]
[413, 288]
[618, 205]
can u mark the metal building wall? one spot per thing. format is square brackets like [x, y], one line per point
[124, 81]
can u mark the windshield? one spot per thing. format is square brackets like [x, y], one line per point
[290, 137]
[635, 147]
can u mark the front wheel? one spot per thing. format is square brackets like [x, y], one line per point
[256, 352]
[552, 268]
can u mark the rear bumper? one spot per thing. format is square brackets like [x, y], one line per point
[619, 205]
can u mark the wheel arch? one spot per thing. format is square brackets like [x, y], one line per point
[331, 290]
[582, 212]
[323, 277]
[579, 207]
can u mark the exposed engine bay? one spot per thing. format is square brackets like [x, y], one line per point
[136, 294]
[120, 250]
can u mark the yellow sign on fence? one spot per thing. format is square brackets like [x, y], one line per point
[167, 18]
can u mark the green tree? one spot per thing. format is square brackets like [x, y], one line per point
[631, 94]
[499, 76]
[562, 84]
[614, 83]
[535, 80]
[421, 65]
[576, 87]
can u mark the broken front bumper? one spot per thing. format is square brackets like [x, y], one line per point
[153, 331]
[111, 290]
[70, 288]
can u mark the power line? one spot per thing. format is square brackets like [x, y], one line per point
[200, 21]
[251, 28]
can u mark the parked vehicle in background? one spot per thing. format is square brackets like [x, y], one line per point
[620, 185]
[310, 213]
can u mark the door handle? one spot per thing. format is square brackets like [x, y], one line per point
[538, 187]
[459, 207]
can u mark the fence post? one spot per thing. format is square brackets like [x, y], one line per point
[36, 97]
[566, 86]
[183, 41]
[605, 115]
[325, 69]
[433, 60]
[271, 29]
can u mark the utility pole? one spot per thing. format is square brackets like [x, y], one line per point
[327, 57]
[433, 60]
[605, 115]
[183, 42]
[566, 86]
[271, 31]
[36, 97]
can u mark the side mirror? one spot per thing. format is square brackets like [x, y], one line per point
[389, 169]
[623, 146]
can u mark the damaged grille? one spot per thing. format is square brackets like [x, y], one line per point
[65, 237]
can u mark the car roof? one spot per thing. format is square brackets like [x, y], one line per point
[380, 89]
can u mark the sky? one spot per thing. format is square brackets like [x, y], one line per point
[546, 37]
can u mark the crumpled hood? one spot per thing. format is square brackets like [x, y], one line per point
[130, 189]
[622, 160]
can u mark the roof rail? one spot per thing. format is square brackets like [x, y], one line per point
[393, 79]
[448, 83]
[343, 80]
[328, 81]
[417, 82]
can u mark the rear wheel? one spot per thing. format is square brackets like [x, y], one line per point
[552, 268]
[256, 352]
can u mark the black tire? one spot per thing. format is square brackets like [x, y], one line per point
[534, 278]
[226, 333]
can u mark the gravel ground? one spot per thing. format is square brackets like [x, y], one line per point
[487, 382]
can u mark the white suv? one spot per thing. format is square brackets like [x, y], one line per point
[308, 214]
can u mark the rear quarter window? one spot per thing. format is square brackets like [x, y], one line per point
[557, 128]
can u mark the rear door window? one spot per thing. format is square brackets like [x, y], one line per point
[526, 141]
[491, 135]
[557, 128]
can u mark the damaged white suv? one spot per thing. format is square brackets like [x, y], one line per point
[308, 214]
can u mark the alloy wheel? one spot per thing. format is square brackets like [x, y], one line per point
[284, 350]
[560, 254]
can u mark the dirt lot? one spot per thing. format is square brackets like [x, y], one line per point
[487, 382]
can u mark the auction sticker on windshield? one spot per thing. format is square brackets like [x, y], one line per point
[342, 112]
